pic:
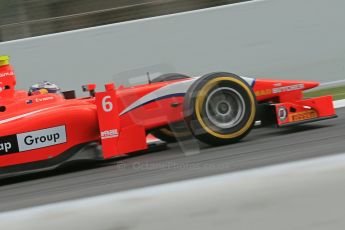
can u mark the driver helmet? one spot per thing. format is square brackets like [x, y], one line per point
[44, 88]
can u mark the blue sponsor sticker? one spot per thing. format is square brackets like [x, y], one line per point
[29, 101]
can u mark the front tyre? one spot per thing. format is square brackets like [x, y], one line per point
[220, 108]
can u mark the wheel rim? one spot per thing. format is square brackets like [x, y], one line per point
[225, 107]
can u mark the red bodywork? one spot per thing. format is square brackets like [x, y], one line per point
[289, 95]
[65, 124]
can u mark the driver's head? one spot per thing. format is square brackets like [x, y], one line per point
[43, 88]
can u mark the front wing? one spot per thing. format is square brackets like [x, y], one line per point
[304, 111]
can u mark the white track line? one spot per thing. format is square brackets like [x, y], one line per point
[333, 83]
[339, 104]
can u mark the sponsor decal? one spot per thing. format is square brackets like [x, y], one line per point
[263, 92]
[306, 115]
[33, 140]
[288, 88]
[282, 89]
[8, 144]
[44, 99]
[282, 113]
[29, 101]
[7, 74]
[109, 134]
[37, 100]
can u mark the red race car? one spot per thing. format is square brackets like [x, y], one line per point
[45, 130]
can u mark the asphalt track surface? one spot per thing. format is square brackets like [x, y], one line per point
[264, 146]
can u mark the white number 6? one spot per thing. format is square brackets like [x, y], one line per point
[107, 105]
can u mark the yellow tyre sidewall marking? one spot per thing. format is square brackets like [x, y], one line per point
[200, 100]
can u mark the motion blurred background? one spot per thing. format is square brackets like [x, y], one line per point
[27, 18]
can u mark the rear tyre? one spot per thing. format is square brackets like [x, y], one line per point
[220, 108]
[175, 131]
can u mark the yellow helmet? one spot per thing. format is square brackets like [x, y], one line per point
[4, 60]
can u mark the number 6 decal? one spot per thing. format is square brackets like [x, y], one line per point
[107, 105]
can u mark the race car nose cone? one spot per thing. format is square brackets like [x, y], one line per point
[310, 84]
